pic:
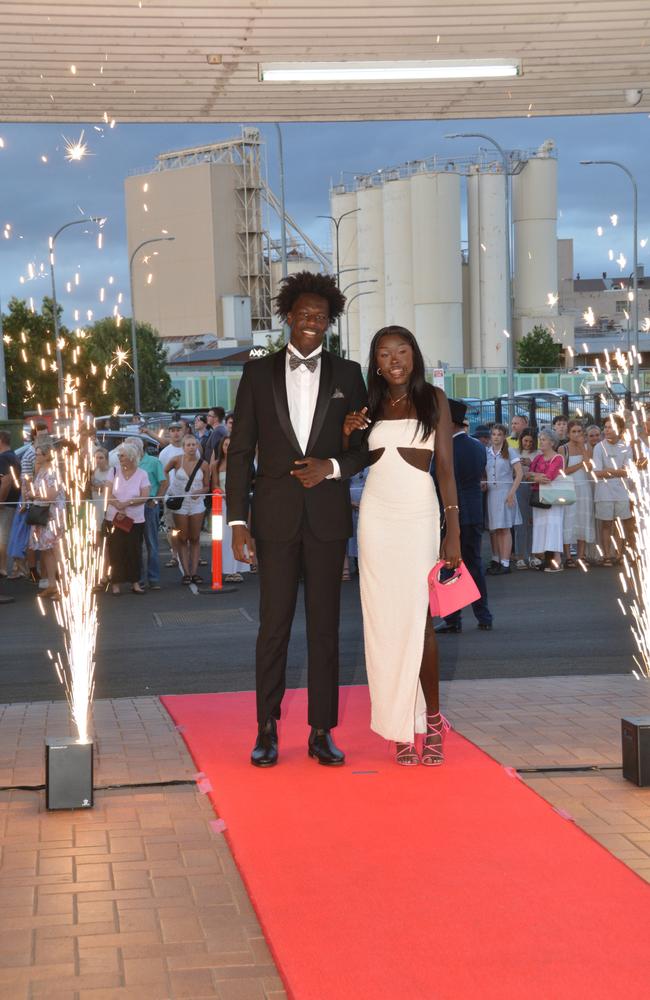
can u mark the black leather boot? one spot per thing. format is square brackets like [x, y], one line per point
[322, 747]
[265, 751]
[444, 628]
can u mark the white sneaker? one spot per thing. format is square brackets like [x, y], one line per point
[521, 564]
[535, 563]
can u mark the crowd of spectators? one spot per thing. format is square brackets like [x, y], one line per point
[585, 518]
[134, 499]
[139, 499]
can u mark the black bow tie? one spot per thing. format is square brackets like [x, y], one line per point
[296, 362]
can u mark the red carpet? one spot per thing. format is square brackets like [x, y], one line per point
[379, 882]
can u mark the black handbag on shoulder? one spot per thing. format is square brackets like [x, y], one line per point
[175, 503]
[38, 515]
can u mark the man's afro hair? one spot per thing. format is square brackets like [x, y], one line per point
[306, 283]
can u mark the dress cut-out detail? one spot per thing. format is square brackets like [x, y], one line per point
[419, 458]
[375, 455]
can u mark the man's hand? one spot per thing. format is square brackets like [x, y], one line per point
[243, 547]
[313, 471]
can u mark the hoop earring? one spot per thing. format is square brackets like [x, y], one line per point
[379, 371]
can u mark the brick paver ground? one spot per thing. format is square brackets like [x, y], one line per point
[565, 722]
[139, 897]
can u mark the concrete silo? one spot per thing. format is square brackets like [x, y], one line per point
[437, 267]
[342, 201]
[488, 267]
[534, 217]
[370, 250]
[398, 253]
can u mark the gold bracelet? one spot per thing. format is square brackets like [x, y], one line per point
[452, 506]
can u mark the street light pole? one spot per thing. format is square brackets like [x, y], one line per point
[134, 341]
[337, 224]
[510, 347]
[4, 401]
[635, 223]
[283, 217]
[361, 281]
[55, 308]
[370, 291]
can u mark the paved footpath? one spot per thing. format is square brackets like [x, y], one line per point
[139, 897]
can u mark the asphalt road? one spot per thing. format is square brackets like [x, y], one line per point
[173, 641]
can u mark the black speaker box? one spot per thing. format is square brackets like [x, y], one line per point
[68, 774]
[635, 734]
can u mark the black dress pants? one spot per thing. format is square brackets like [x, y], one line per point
[470, 550]
[280, 566]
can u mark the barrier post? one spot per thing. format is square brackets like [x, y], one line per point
[217, 539]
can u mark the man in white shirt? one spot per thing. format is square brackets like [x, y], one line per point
[611, 497]
[290, 410]
[172, 450]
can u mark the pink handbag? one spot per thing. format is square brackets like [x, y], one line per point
[451, 595]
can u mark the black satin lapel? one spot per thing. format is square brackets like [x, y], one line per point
[280, 398]
[323, 399]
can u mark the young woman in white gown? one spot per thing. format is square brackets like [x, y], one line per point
[399, 541]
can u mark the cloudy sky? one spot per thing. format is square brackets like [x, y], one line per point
[41, 191]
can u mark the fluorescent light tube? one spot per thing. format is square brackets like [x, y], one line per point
[389, 72]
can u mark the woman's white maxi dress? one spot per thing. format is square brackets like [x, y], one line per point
[399, 542]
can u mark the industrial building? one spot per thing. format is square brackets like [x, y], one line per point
[214, 277]
[217, 278]
[422, 245]
[401, 249]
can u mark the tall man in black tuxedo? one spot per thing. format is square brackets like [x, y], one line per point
[291, 406]
[470, 459]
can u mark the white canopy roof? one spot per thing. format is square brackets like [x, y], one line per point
[197, 60]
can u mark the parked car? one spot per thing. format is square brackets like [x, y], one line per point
[473, 414]
[540, 395]
[111, 439]
[596, 387]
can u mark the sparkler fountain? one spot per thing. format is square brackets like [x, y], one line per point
[635, 574]
[69, 761]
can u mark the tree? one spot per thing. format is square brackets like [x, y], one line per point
[274, 345]
[538, 350]
[104, 345]
[97, 360]
[30, 357]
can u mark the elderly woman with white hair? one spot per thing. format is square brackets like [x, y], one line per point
[548, 523]
[127, 496]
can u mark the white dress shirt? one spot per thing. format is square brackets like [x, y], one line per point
[302, 394]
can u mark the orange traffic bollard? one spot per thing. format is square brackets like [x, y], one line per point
[217, 539]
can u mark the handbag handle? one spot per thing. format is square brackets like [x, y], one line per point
[457, 573]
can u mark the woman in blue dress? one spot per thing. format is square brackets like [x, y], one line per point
[503, 474]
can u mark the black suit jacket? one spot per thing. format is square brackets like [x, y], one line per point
[261, 421]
